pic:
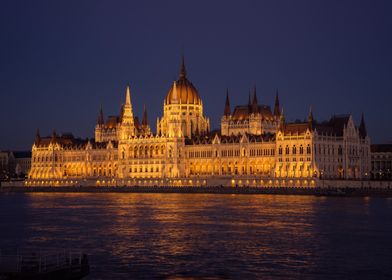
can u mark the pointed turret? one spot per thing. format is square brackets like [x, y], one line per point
[277, 111]
[128, 96]
[145, 120]
[362, 127]
[127, 119]
[182, 69]
[37, 137]
[227, 110]
[310, 118]
[101, 120]
[127, 115]
[254, 101]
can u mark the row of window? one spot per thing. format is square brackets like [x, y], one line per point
[262, 152]
[301, 159]
[294, 150]
[143, 169]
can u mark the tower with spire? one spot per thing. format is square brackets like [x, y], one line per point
[127, 126]
[227, 110]
[310, 118]
[146, 130]
[362, 127]
[277, 111]
[183, 109]
[225, 120]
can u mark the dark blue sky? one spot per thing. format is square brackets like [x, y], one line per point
[59, 60]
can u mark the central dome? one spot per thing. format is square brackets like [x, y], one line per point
[183, 91]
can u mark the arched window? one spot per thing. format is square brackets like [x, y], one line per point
[301, 150]
[287, 150]
[308, 151]
[280, 150]
[294, 150]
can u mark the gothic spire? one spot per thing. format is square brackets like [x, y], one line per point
[182, 69]
[254, 102]
[277, 111]
[145, 119]
[128, 96]
[100, 116]
[37, 137]
[227, 111]
[310, 116]
[362, 127]
[127, 111]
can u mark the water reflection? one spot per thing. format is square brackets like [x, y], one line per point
[200, 235]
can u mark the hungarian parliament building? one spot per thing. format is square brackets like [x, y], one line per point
[254, 146]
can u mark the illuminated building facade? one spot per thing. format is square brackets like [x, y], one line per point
[255, 144]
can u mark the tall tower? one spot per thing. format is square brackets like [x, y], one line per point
[100, 126]
[277, 111]
[225, 120]
[127, 127]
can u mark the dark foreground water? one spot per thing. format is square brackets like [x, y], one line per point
[177, 236]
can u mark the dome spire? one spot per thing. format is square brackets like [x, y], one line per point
[182, 69]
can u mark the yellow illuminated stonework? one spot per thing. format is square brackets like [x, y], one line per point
[254, 147]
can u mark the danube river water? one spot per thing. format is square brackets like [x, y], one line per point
[207, 236]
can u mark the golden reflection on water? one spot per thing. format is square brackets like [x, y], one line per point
[232, 236]
[180, 224]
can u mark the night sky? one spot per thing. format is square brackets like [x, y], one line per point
[60, 60]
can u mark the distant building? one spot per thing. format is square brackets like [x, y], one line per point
[20, 163]
[255, 143]
[14, 164]
[4, 165]
[381, 161]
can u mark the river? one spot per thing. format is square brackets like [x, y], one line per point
[207, 236]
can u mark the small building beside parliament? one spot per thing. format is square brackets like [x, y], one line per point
[255, 146]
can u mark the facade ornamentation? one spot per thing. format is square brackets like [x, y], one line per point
[254, 143]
